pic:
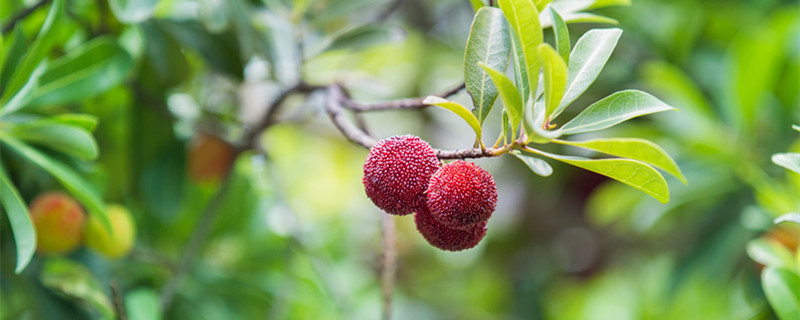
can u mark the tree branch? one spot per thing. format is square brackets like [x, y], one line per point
[413, 103]
[24, 13]
[273, 108]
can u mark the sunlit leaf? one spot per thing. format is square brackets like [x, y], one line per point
[616, 108]
[636, 149]
[788, 160]
[477, 4]
[20, 221]
[13, 53]
[578, 17]
[770, 253]
[71, 140]
[24, 95]
[789, 217]
[536, 165]
[142, 304]
[631, 172]
[132, 11]
[586, 61]
[561, 34]
[555, 78]
[458, 109]
[76, 281]
[86, 121]
[540, 4]
[488, 43]
[86, 71]
[796, 127]
[524, 20]
[509, 94]
[780, 286]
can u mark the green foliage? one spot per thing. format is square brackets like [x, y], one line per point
[489, 44]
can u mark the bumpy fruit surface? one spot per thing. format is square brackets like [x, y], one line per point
[446, 238]
[120, 242]
[461, 195]
[397, 172]
[59, 222]
[210, 158]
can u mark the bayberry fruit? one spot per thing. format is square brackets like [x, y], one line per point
[446, 238]
[461, 195]
[59, 222]
[397, 172]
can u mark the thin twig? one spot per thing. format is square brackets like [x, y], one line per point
[272, 110]
[119, 305]
[389, 265]
[412, 103]
[24, 13]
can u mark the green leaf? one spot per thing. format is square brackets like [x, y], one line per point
[13, 54]
[524, 20]
[616, 108]
[631, 172]
[636, 149]
[20, 221]
[536, 165]
[561, 34]
[477, 4]
[796, 127]
[509, 94]
[586, 61]
[24, 95]
[362, 37]
[781, 288]
[142, 304]
[540, 4]
[84, 72]
[555, 79]
[74, 280]
[577, 17]
[35, 52]
[71, 140]
[505, 125]
[132, 11]
[770, 253]
[458, 109]
[789, 217]
[86, 121]
[788, 160]
[488, 43]
[73, 182]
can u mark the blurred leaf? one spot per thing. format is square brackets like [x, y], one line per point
[577, 17]
[788, 160]
[586, 61]
[12, 55]
[362, 37]
[536, 165]
[24, 95]
[142, 304]
[458, 109]
[796, 127]
[555, 78]
[789, 217]
[673, 82]
[477, 4]
[781, 288]
[561, 33]
[509, 94]
[614, 109]
[488, 43]
[84, 72]
[636, 149]
[76, 281]
[540, 4]
[73, 182]
[37, 51]
[524, 20]
[86, 121]
[21, 225]
[219, 50]
[74, 141]
[631, 172]
[505, 124]
[165, 64]
[770, 253]
[132, 11]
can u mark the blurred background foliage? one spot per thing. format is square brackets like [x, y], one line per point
[176, 83]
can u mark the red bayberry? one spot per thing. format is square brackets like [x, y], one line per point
[461, 195]
[397, 172]
[445, 238]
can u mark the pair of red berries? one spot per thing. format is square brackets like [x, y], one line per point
[452, 202]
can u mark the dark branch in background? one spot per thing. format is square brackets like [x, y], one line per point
[269, 118]
[117, 301]
[24, 13]
[389, 265]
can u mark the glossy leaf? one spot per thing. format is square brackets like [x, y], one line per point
[524, 20]
[488, 43]
[796, 127]
[73, 182]
[770, 253]
[536, 165]
[20, 221]
[781, 287]
[788, 160]
[616, 108]
[561, 33]
[76, 281]
[132, 11]
[789, 217]
[35, 53]
[71, 140]
[586, 61]
[555, 78]
[636, 149]
[458, 109]
[86, 121]
[509, 94]
[24, 95]
[631, 172]
[90, 69]
[578, 17]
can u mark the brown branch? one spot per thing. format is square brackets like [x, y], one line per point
[413, 103]
[117, 301]
[24, 13]
[389, 265]
[273, 108]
